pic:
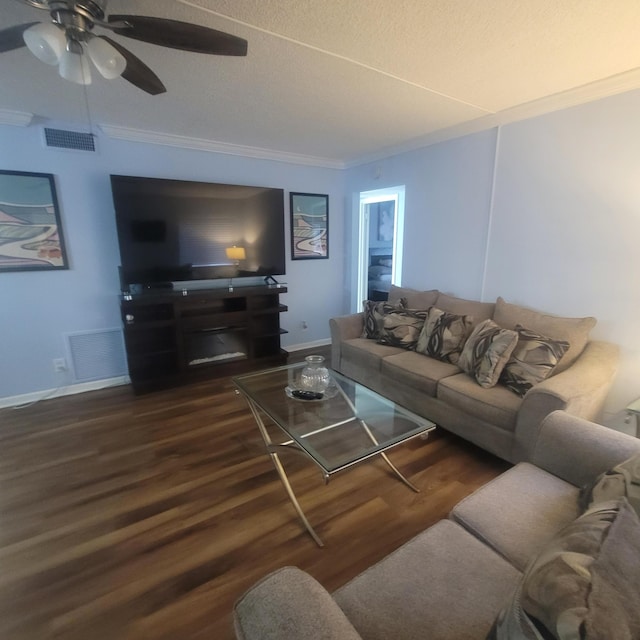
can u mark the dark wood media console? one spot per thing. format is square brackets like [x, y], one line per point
[173, 337]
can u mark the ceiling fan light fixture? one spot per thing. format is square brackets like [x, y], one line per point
[46, 42]
[107, 59]
[74, 66]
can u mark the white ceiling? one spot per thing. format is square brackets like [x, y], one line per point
[341, 81]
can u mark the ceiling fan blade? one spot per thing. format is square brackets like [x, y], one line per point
[137, 72]
[11, 38]
[180, 35]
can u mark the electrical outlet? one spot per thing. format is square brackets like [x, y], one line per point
[304, 324]
[59, 364]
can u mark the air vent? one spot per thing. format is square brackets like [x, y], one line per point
[64, 139]
[96, 355]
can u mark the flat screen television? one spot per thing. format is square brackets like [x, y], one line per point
[178, 230]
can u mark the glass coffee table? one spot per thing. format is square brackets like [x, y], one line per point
[349, 425]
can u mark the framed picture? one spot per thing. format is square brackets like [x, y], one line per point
[309, 226]
[386, 215]
[30, 230]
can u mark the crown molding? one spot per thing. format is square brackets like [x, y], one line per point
[620, 83]
[214, 146]
[15, 118]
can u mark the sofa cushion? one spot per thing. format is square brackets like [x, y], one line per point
[479, 310]
[533, 359]
[574, 330]
[497, 405]
[443, 335]
[584, 584]
[621, 480]
[417, 371]
[374, 312]
[518, 512]
[415, 299]
[364, 353]
[443, 584]
[486, 352]
[401, 328]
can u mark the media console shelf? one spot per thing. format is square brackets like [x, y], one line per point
[173, 337]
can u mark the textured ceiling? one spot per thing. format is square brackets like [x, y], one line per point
[343, 81]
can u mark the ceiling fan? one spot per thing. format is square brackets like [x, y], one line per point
[69, 36]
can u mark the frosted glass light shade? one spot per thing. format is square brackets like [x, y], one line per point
[108, 60]
[75, 67]
[45, 41]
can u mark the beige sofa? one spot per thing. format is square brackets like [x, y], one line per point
[451, 581]
[495, 419]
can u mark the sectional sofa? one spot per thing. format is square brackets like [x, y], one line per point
[492, 416]
[516, 559]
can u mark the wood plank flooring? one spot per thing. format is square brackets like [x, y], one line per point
[139, 517]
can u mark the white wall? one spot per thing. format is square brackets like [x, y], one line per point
[37, 309]
[553, 203]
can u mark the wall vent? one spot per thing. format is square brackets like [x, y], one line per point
[64, 139]
[97, 355]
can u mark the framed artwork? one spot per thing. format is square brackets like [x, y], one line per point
[386, 215]
[30, 230]
[309, 226]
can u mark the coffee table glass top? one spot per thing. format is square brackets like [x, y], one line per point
[350, 424]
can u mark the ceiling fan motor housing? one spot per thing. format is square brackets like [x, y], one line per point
[77, 18]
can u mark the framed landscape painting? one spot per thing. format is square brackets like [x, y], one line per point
[309, 226]
[30, 231]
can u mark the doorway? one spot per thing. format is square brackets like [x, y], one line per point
[380, 232]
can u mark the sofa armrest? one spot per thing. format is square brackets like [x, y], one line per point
[577, 450]
[344, 328]
[290, 605]
[579, 390]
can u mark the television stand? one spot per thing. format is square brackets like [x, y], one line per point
[176, 337]
[270, 280]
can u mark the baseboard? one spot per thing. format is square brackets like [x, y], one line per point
[67, 390]
[308, 345]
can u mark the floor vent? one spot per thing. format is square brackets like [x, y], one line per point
[63, 139]
[97, 355]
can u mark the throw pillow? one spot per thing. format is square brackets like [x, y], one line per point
[444, 335]
[401, 328]
[373, 314]
[621, 480]
[486, 352]
[574, 330]
[584, 584]
[533, 360]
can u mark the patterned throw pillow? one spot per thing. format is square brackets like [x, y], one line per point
[621, 480]
[584, 584]
[401, 328]
[444, 335]
[533, 360]
[486, 352]
[374, 312]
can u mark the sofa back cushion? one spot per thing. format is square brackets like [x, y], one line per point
[414, 299]
[575, 331]
[479, 310]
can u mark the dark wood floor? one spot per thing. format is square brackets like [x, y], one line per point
[139, 517]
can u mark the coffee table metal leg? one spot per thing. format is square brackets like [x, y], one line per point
[282, 474]
[373, 439]
[383, 455]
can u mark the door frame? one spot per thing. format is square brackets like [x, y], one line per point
[370, 197]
